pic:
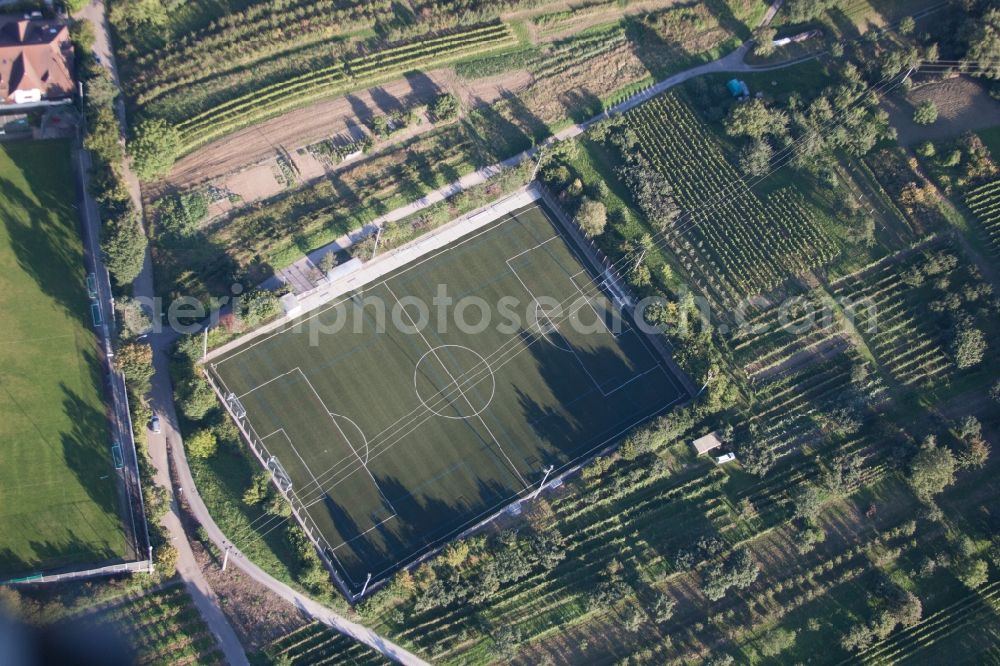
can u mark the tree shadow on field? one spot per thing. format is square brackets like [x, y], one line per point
[423, 89]
[359, 108]
[87, 451]
[580, 104]
[529, 123]
[845, 25]
[385, 102]
[44, 241]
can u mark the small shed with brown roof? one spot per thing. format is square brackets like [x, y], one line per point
[706, 443]
[36, 60]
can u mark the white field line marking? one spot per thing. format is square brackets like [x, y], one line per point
[507, 500]
[539, 309]
[358, 428]
[344, 435]
[273, 379]
[358, 536]
[294, 450]
[488, 227]
[571, 350]
[454, 381]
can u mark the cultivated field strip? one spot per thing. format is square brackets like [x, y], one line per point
[227, 113]
[319, 644]
[984, 202]
[744, 245]
[907, 643]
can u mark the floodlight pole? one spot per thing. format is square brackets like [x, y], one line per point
[363, 589]
[548, 470]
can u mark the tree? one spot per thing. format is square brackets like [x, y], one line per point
[592, 218]
[755, 159]
[808, 500]
[202, 444]
[135, 361]
[740, 570]
[444, 107]
[969, 347]
[972, 572]
[663, 608]
[456, 553]
[123, 243]
[763, 41]
[974, 451]
[633, 618]
[256, 307]
[906, 25]
[926, 113]
[984, 45]
[776, 641]
[754, 119]
[260, 486]
[800, 11]
[153, 149]
[328, 262]
[134, 319]
[102, 137]
[932, 470]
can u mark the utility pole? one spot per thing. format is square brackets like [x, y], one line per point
[538, 163]
[548, 470]
[378, 235]
[363, 589]
[204, 344]
[225, 559]
[708, 380]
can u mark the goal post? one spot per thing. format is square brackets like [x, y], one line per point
[278, 473]
[235, 406]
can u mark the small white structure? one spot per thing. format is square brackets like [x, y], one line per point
[290, 305]
[704, 444]
[343, 269]
[724, 458]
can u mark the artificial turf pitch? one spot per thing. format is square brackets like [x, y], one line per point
[397, 439]
[58, 498]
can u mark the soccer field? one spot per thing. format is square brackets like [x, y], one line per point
[58, 499]
[399, 426]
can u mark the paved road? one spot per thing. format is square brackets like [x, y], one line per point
[187, 567]
[167, 452]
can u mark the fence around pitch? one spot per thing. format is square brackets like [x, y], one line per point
[141, 566]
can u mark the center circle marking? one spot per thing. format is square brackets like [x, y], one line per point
[452, 397]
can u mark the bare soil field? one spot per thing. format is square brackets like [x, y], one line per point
[298, 128]
[962, 105]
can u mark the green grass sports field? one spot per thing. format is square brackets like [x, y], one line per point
[58, 498]
[401, 419]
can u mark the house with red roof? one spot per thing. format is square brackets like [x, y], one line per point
[36, 60]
